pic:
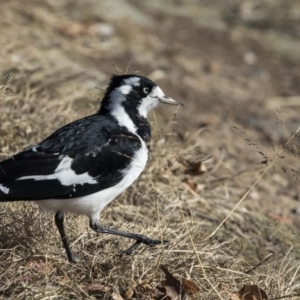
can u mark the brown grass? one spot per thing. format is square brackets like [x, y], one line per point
[196, 174]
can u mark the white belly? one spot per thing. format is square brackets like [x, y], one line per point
[93, 204]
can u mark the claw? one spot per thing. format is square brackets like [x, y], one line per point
[148, 242]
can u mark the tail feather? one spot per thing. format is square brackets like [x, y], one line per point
[24, 164]
[29, 190]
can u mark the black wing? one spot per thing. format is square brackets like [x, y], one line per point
[81, 158]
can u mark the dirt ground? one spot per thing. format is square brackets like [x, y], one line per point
[236, 67]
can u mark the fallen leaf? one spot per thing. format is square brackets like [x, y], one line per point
[281, 218]
[191, 183]
[174, 289]
[116, 296]
[190, 287]
[235, 296]
[95, 288]
[250, 292]
[195, 168]
[171, 284]
[73, 29]
[130, 291]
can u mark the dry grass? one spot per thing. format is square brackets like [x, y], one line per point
[194, 179]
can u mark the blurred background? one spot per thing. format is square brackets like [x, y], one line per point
[234, 64]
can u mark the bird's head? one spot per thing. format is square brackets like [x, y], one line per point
[133, 94]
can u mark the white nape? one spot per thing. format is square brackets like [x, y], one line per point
[134, 81]
[117, 110]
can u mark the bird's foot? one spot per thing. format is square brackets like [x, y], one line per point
[75, 258]
[145, 240]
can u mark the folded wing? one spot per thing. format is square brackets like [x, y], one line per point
[81, 158]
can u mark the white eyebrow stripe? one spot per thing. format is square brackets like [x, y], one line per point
[134, 81]
[125, 89]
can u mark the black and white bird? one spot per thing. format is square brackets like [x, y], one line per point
[83, 166]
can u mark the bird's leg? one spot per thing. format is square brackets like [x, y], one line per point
[140, 239]
[131, 249]
[59, 221]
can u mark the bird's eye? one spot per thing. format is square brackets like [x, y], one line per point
[146, 90]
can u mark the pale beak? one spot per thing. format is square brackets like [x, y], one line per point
[169, 100]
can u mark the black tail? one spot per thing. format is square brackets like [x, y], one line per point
[5, 194]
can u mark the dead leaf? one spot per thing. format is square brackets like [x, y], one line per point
[195, 168]
[171, 284]
[130, 291]
[174, 289]
[235, 296]
[73, 29]
[116, 296]
[95, 288]
[191, 183]
[179, 165]
[190, 287]
[281, 218]
[250, 292]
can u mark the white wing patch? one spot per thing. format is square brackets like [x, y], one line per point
[64, 174]
[91, 205]
[4, 189]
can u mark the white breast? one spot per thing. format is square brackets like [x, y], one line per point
[93, 204]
